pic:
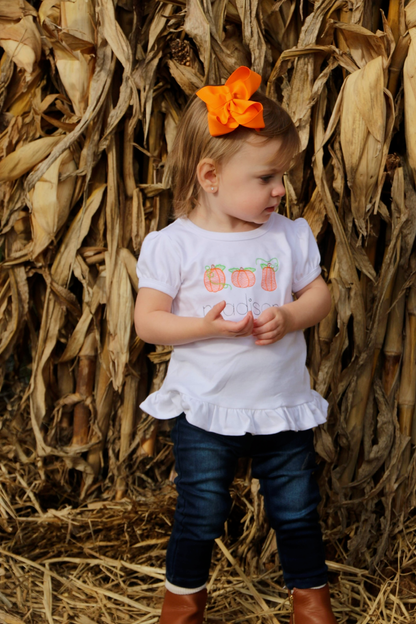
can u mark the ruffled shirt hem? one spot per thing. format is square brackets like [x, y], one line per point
[235, 421]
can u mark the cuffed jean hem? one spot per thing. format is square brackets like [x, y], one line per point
[183, 591]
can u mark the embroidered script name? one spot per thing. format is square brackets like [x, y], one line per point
[242, 307]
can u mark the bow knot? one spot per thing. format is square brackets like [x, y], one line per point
[229, 105]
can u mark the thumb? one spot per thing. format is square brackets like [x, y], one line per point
[215, 312]
[264, 317]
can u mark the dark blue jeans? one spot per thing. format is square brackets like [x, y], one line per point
[206, 463]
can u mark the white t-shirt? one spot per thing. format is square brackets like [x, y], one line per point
[233, 386]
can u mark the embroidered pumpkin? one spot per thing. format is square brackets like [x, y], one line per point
[214, 277]
[268, 278]
[243, 278]
[268, 271]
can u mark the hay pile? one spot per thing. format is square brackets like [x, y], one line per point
[103, 562]
[90, 95]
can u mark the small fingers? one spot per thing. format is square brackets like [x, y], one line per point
[216, 310]
[269, 327]
[239, 328]
[244, 327]
[268, 337]
[245, 332]
[267, 316]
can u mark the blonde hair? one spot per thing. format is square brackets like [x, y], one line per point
[193, 142]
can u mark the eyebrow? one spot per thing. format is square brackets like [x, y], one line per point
[271, 169]
[278, 165]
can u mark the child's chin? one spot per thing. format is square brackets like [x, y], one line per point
[264, 217]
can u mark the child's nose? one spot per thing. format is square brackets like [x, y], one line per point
[279, 190]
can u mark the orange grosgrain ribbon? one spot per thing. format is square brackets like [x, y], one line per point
[229, 105]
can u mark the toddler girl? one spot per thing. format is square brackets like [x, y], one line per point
[217, 284]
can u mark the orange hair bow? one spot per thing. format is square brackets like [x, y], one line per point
[229, 105]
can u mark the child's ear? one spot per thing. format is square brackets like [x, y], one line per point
[207, 173]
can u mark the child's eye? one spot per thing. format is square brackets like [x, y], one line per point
[266, 178]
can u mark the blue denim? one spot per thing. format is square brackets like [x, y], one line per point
[206, 463]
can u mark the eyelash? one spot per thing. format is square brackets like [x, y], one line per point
[267, 178]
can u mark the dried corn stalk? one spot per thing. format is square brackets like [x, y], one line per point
[409, 82]
[91, 94]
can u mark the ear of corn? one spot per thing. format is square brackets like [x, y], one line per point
[26, 157]
[75, 70]
[363, 134]
[51, 201]
[119, 326]
[74, 65]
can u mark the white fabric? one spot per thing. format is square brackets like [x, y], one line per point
[317, 587]
[233, 386]
[183, 591]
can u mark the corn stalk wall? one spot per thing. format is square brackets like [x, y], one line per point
[91, 93]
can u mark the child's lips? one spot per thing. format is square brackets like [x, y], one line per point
[271, 209]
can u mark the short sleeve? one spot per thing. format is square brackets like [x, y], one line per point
[306, 256]
[158, 265]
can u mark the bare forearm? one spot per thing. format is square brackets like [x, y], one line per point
[156, 324]
[165, 328]
[311, 307]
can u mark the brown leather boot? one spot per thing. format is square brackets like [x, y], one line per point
[188, 609]
[311, 606]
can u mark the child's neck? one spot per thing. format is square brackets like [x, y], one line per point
[208, 220]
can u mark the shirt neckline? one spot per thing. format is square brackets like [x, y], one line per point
[232, 236]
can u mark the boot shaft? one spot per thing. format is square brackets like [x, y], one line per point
[188, 609]
[311, 606]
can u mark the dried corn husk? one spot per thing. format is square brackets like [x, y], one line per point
[78, 19]
[21, 41]
[104, 395]
[49, 11]
[51, 201]
[365, 121]
[120, 297]
[410, 14]
[26, 157]
[75, 70]
[15, 9]
[74, 62]
[363, 45]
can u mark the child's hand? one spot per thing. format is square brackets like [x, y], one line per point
[217, 327]
[271, 326]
